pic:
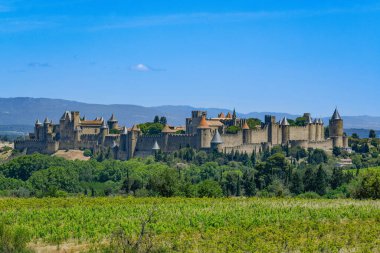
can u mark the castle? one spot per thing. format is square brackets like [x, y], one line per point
[202, 133]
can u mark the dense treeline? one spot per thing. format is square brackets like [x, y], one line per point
[190, 173]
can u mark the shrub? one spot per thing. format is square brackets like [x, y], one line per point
[233, 129]
[13, 239]
[309, 195]
[210, 189]
[87, 153]
[369, 186]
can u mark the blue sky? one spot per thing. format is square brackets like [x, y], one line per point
[282, 56]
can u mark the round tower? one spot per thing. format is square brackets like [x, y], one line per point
[318, 132]
[246, 134]
[123, 139]
[312, 129]
[285, 130]
[322, 126]
[133, 136]
[104, 131]
[113, 123]
[37, 129]
[216, 142]
[336, 129]
[204, 133]
[155, 147]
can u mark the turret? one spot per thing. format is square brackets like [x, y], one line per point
[38, 130]
[321, 125]
[336, 129]
[312, 128]
[274, 131]
[75, 118]
[123, 139]
[246, 134]
[217, 142]
[104, 131]
[285, 130]
[204, 133]
[318, 127]
[155, 147]
[113, 123]
[133, 136]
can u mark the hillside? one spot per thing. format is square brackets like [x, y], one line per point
[24, 111]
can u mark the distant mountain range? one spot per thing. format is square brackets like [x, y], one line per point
[24, 111]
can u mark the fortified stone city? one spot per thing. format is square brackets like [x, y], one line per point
[202, 133]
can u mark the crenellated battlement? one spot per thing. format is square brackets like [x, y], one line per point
[182, 135]
[151, 136]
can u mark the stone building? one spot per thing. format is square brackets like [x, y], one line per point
[202, 133]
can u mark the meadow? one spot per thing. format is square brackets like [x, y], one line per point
[200, 225]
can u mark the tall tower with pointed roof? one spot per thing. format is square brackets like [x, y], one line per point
[123, 139]
[246, 134]
[204, 133]
[113, 123]
[284, 124]
[336, 129]
[216, 142]
[104, 131]
[38, 130]
[133, 136]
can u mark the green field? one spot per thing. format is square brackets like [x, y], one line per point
[203, 225]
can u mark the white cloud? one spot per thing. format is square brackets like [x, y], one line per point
[141, 68]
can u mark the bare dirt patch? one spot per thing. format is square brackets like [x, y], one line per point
[6, 144]
[63, 248]
[72, 155]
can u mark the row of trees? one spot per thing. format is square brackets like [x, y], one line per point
[187, 173]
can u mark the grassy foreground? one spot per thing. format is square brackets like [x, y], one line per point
[203, 225]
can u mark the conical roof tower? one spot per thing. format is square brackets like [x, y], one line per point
[217, 139]
[156, 147]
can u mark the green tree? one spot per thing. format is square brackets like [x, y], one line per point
[253, 158]
[249, 184]
[87, 153]
[337, 151]
[114, 131]
[337, 178]
[156, 119]
[355, 136]
[232, 129]
[301, 121]
[308, 180]
[22, 167]
[163, 121]
[230, 182]
[253, 122]
[318, 156]
[320, 181]
[296, 186]
[165, 183]
[327, 132]
[210, 189]
[372, 133]
[50, 181]
[369, 186]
